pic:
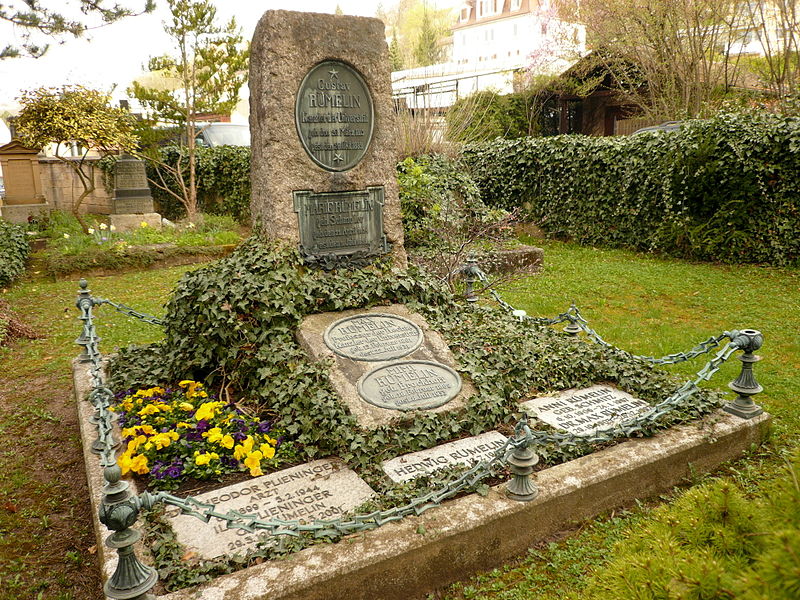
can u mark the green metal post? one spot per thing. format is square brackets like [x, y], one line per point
[84, 304]
[132, 580]
[522, 460]
[749, 340]
[470, 273]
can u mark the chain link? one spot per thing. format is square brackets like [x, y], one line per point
[127, 310]
[574, 317]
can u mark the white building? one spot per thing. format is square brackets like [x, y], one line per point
[492, 41]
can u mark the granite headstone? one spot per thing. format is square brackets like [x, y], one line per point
[324, 137]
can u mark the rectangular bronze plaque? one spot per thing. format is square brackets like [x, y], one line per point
[341, 228]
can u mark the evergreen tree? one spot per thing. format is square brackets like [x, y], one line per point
[395, 55]
[427, 50]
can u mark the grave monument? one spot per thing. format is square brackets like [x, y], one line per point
[324, 137]
[323, 179]
[23, 183]
[132, 203]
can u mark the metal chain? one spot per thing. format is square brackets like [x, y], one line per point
[127, 310]
[573, 315]
[100, 396]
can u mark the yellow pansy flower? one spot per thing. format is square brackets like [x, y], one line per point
[253, 462]
[162, 440]
[214, 435]
[227, 442]
[187, 406]
[267, 450]
[150, 409]
[207, 410]
[139, 464]
[244, 448]
[205, 457]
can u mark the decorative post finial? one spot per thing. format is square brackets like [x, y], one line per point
[522, 460]
[132, 580]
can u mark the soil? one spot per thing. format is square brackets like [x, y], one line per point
[47, 543]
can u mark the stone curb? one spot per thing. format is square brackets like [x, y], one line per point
[410, 558]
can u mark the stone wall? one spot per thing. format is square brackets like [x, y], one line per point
[61, 187]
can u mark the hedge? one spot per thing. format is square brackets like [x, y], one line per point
[14, 249]
[724, 189]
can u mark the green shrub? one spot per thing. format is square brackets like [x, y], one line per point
[712, 543]
[724, 189]
[14, 250]
[437, 196]
[487, 115]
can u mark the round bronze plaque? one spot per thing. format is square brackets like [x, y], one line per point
[373, 337]
[410, 385]
[334, 115]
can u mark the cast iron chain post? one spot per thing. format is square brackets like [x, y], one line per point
[470, 272]
[748, 340]
[84, 304]
[132, 580]
[522, 460]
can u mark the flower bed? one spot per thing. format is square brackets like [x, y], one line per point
[177, 433]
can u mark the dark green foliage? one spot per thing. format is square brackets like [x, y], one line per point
[232, 326]
[437, 194]
[724, 189]
[14, 249]
[223, 180]
[713, 543]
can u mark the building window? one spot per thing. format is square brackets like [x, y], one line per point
[515, 4]
[464, 14]
[487, 8]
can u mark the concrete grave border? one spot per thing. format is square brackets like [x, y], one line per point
[466, 535]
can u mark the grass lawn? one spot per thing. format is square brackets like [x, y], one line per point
[643, 304]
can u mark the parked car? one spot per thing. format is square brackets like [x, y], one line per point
[223, 134]
[665, 126]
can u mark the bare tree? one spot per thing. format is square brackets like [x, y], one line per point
[776, 24]
[671, 58]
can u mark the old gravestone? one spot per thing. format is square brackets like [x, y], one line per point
[323, 137]
[582, 412]
[132, 202]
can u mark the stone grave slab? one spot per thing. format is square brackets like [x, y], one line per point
[582, 412]
[322, 489]
[381, 362]
[467, 451]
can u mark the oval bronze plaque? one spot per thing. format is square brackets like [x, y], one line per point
[410, 385]
[334, 115]
[373, 337]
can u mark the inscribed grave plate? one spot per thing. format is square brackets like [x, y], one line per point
[373, 337]
[334, 115]
[410, 385]
[323, 489]
[582, 412]
[467, 451]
